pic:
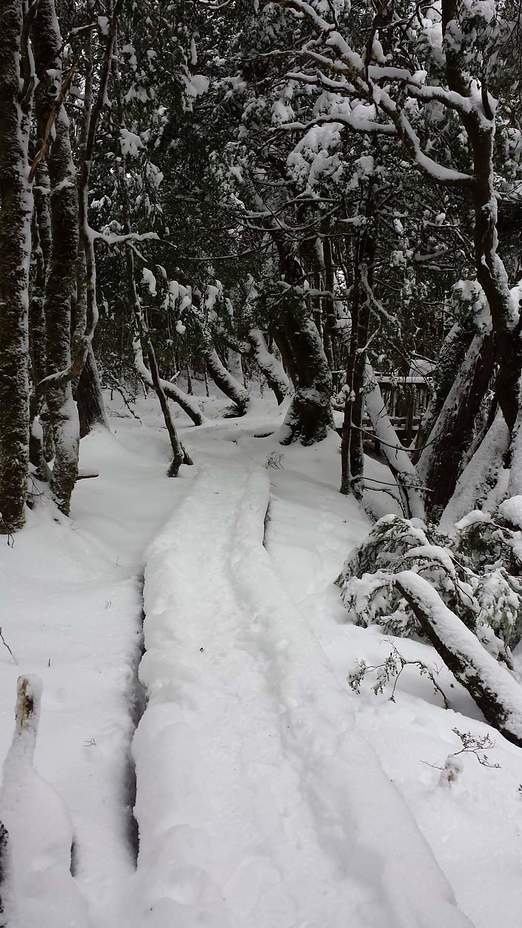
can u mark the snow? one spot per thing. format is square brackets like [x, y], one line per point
[483, 479]
[460, 640]
[130, 143]
[251, 796]
[195, 85]
[511, 511]
[268, 794]
[149, 280]
[39, 831]
[70, 611]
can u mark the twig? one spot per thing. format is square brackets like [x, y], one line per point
[4, 642]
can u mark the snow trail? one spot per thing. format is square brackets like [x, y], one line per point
[258, 802]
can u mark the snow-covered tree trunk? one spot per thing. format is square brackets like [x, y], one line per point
[187, 403]
[40, 887]
[224, 379]
[309, 416]
[352, 451]
[235, 365]
[54, 146]
[268, 364]
[179, 455]
[481, 475]
[490, 684]
[16, 87]
[143, 343]
[441, 460]
[451, 356]
[398, 459]
[41, 247]
[329, 314]
[89, 397]
[480, 124]
[515, 474]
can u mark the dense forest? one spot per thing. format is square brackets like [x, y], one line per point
[318, 201]
[188, 188]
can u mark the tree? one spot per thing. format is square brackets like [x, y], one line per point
[16, 98]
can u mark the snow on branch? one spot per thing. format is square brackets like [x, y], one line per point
[170, 389]
[350, 65]
[351, 120]
[110, 238]
[491, 685]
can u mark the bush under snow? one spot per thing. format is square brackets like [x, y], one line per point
[477, 575]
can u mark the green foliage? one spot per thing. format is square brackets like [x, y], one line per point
[475, 575]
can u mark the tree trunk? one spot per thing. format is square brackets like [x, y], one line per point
[225, 381]
[489, 683]
[329, 314]
[451, 357]
[481, 475]
[398, 459]
[89, 397]
[41, 248]
[309, 416]
[15, 253]
[179, 455]
[187, 403]
[491, 273]
[352, 450]
[270, 367]
[60, 286]
[442, 458]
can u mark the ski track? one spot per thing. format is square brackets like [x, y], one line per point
[259, 803]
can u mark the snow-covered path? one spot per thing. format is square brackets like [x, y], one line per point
[259, 803]
[269, 795]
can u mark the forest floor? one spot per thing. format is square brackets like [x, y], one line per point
[268, 794]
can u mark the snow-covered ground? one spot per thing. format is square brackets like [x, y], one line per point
[269, 795]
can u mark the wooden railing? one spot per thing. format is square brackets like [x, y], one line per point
[405, 398]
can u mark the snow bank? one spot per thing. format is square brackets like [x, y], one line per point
[40, 891]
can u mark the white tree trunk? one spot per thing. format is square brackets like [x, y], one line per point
[399, 461]
[269, 365]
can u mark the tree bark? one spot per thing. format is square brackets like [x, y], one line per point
[269, 366]
[451, 356]
[179, 455]
[89, 397]
[309, 416]
[352, 450]
[60, 286]
[15, 252]
[441, 461]
[352, 453]
[41, 247]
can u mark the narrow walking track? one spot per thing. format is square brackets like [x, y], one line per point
[258, 803]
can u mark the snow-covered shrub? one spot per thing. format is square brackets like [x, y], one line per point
[491, 547]
[475, 575]
[453, 765]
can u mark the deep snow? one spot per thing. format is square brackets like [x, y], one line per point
[269, 794]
